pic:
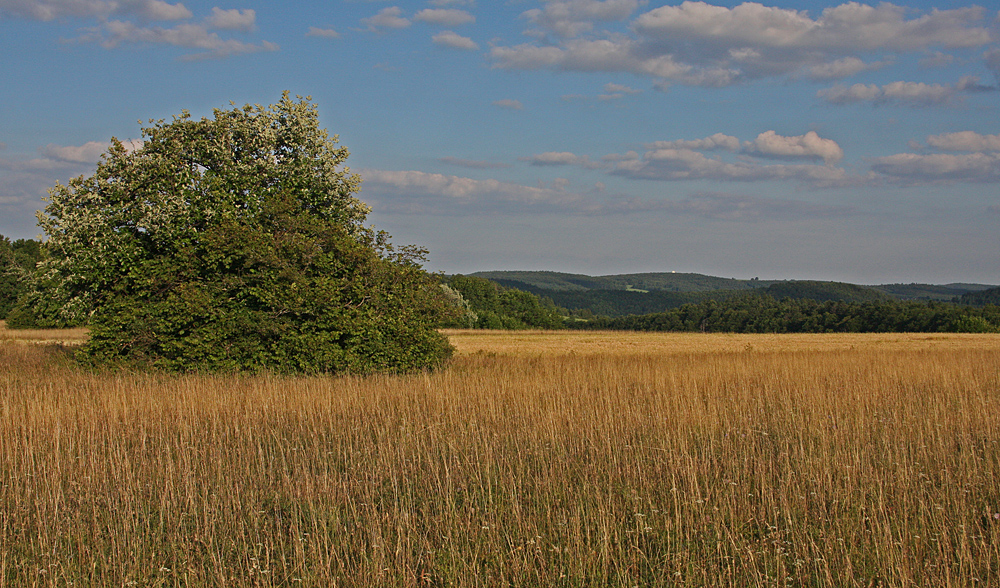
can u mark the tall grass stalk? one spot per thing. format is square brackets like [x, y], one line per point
[616, 467]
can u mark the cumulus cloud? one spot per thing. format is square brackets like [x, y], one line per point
[551, 158]
[60, 157]
[913, 168]
[715, 142]
[115, 33]
[697, 43]
[850, 26]
[569, 18]
[387, 18]
[807, 146]
[908, 93]
[508, 104]
[112, 33]
[687, 164]
[684, 159]
[453, 40]
[159, 10]
[842, 68]
[421, 192]
[620, 89]
[47, 10]
[324, 33]
[235, 19]
[965, 141]
[89, 152]
[447, 17]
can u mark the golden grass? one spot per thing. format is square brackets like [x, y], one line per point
[547, 459]
[43, 336]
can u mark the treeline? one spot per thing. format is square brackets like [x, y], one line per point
[619, 303]
[759, 312]
[17, 259]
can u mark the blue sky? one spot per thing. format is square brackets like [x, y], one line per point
[791, 139]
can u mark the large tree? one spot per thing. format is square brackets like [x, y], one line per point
[233, 243]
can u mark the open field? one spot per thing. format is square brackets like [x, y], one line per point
[534, 459]
[42, 336]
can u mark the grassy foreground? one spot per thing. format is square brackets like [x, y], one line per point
[538, 459]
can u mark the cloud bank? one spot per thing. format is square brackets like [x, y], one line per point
[697, 43]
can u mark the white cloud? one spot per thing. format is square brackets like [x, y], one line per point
[194, 36]
[965, 141]
[846, 94]
[841, 68]
[558, 158]
[696, 43]
[850, 26]
[687, 164]
[47, 10]
[89, 152]
[620, 89]
[716, 141]
[421, 192]
[915, 168]
[58, 157]
[509, 104]
[453, 40]
[807, 146]
[909, 93]
[448, 17]
[235, 19]
[767, 144]
[324, 33]
[160, 10]
[569, 18]
[387, 18]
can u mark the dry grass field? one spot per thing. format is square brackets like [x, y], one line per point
[533, 459]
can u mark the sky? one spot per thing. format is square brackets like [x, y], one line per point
[797, 139]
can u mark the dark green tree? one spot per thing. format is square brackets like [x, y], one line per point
[17, 260]
[234, 243]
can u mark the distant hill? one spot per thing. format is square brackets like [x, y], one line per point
[944, 293]
[644, 293]
[826, 291]
[665, 281]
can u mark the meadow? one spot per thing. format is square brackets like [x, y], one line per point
[532, 459]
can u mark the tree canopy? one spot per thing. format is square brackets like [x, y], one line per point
[233, 243]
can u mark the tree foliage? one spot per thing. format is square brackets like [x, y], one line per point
[234, 243]
[17, 260]
[488, 305]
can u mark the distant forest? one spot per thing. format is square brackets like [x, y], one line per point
[742, 306]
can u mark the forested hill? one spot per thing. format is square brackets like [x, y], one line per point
[665, 281]
[627, 294]
[691, 282]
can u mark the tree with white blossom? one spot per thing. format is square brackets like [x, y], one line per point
[232, 243]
